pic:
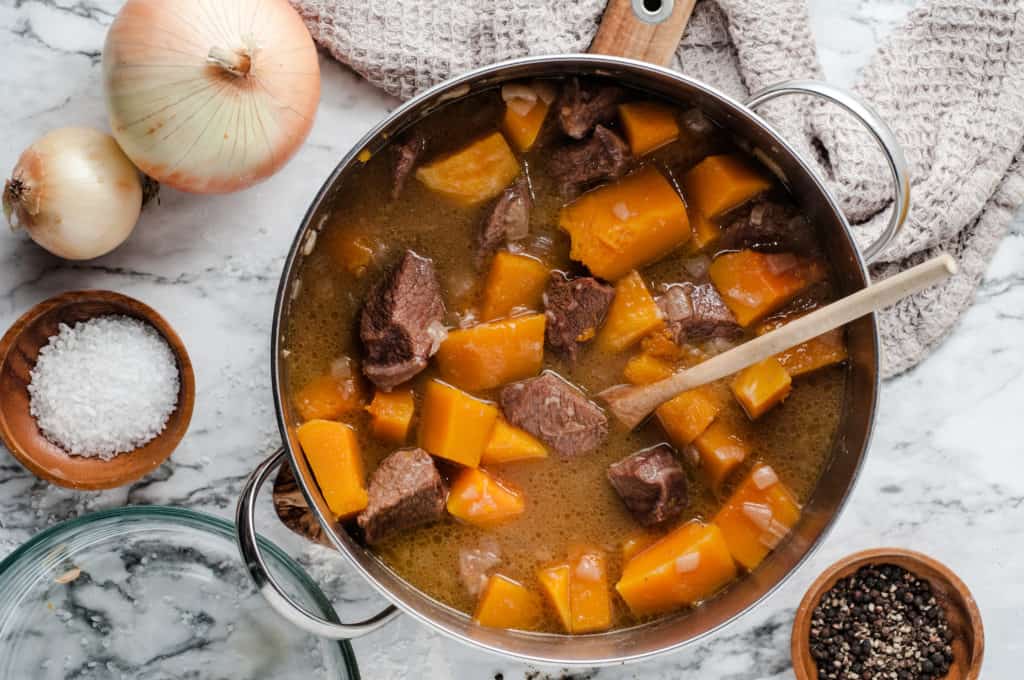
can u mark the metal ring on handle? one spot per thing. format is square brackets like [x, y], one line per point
[282, 603]
[878, 129]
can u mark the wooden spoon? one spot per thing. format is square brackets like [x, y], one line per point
[631, 404]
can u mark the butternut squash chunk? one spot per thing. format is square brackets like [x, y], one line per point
[505, 603]
[478, 498]
[685, 567]
[473, 174]
[636, 542]
[754, 284]
[686, 416]
[827, 349]
[757, 516]
[718, 184]
[661, 345]
[333, 453]
[626, 225]
[589, 599]
[721, 451]
[522, 128]
[648, 126]
[455, 425]
[760, 387]
[632, 315]
[644, 369]
[513, 281]
[492, 354]
[353, 251]
[329, 397]
[554, 581]
[705, 232]
[509, 443]
[391, 414]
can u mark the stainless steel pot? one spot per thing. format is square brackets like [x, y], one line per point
[848, 449]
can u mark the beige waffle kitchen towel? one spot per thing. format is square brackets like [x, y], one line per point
[950, 82]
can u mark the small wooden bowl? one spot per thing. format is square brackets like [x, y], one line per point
[961, 609]
[18, 351]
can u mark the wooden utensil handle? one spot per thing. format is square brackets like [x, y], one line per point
[624, 34]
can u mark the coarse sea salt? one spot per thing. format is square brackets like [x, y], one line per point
[104, 386]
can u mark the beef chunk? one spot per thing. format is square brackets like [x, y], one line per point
[401, 324]
[475, 564]
[576, 167]
[584, 105]
[405, 491]
[575, 308]
[509, 220]
[696, 312]
[651, 483]
[406, 154]
[770, 227]
[555, 412]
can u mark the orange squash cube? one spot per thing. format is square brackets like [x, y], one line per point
[661, 345]
[473, 174]
[648, 126]
[554, 581]
[636, 542]
[644, 369]
[721, 451]
[455, 425]
[626, 225]
[827, 349]
[478, 498]
[522, 128]
[509, 443]
[718, 184]
[514, 281]
[760, 387]
[686, 416]
[329, 397]
[333, 454]
[505, 603]
[685, 567]
[632, 315]
[754, 284]
[589, 599]
[391, 414]
[757, 516]
[705, 232]
[492, 354]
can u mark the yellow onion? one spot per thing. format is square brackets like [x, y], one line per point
[210, 97]
[75, 193]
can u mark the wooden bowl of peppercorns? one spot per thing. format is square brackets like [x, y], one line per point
[887, 614]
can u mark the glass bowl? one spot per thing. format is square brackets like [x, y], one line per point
[154, 592]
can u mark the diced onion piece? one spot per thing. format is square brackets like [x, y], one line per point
[764, 476]
[519, 97]
[341, 368]
[438, 334]
[757, 213]
[545, 90]
[588, 569]
[758, 513]
[687, 563]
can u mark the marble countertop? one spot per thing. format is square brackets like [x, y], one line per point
[944, 475]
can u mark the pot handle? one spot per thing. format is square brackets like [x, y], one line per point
[879, 130]
[274, 594]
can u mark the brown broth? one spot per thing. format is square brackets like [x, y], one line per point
[568, 502]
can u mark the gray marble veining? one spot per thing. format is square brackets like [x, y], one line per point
[944, 475]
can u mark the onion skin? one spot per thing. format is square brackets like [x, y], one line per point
[210, 97]
[75, 193]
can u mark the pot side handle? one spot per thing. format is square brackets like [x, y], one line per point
[274, 594]
[878, 128]
[648, 30]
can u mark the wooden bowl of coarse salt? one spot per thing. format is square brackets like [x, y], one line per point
[96, 389]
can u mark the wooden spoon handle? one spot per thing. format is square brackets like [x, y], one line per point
[624, 34]
[631, 404]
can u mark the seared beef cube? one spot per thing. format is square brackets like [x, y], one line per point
[605, 156]
[575, 308]
[401, 324]
[770, 227]
[584, 105]
[651, 483]
[405, 491]
[406, 154]
[476, 564]
[509, 220]
[696, 312]
[557, 413]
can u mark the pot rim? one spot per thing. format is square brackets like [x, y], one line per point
[453, 88]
